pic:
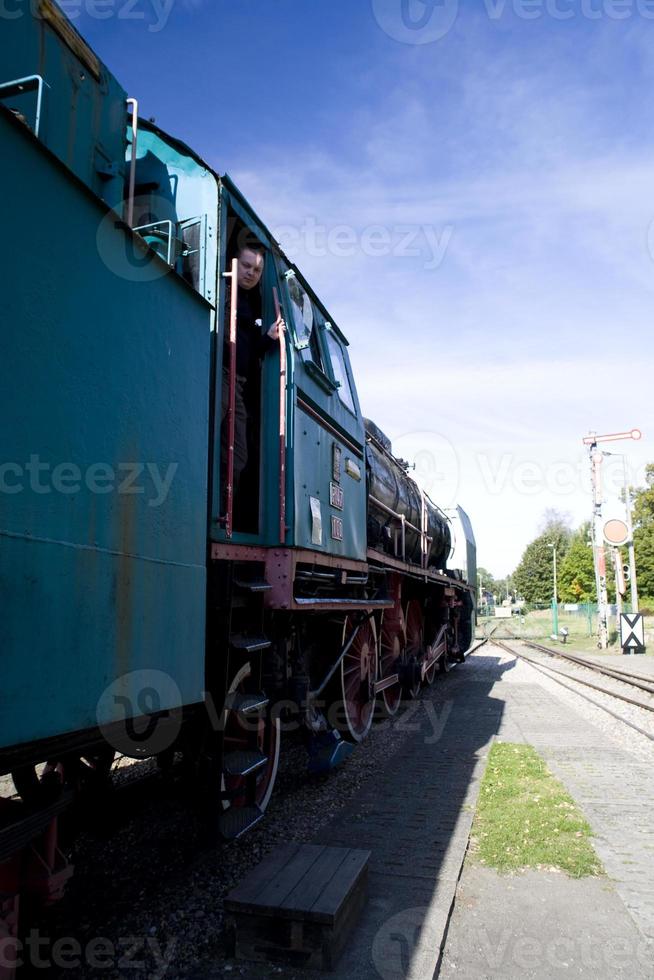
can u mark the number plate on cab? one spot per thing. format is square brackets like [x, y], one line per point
[336, 496]
[337, 528]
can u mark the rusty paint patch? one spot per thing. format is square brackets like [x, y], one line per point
[62, 26]
[124, 592]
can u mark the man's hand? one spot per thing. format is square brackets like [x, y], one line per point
[274, 330]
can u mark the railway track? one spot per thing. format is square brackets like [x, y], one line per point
[573, 682]
[635, 680]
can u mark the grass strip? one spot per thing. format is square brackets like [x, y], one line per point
[525, 818]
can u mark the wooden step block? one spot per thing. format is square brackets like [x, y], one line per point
[299, 906]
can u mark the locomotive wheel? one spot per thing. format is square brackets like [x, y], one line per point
[390, 661]
[262, 734]
[93, 770]
[414, 643]
[358, 676]
[38, 785]
[84, 774]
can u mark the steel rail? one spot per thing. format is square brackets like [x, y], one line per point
[623, 673]
[616, 672]
[596, 687]
[551, 672]
[481, 643]
[609, 670]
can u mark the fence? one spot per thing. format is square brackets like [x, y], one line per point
[537, 620]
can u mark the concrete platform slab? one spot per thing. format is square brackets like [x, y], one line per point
[541, 926]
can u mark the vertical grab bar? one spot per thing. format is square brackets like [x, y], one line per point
[129, 210]
[423, 529]
[282, 422]
[231, 409]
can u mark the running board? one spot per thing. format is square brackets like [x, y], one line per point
[243, 762]
[236, 821]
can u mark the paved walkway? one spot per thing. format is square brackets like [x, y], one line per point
[416, 821]
[541, 925]
[614, 789]
[417, 818]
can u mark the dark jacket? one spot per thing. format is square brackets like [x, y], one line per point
[251, 343]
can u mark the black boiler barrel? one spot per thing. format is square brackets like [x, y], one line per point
[390, 488]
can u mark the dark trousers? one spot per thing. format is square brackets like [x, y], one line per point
[240, 428]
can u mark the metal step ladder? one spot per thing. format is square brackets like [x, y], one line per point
[243, 762]
[238, 820]
[247, 642]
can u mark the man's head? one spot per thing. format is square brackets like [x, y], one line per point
[250, 265]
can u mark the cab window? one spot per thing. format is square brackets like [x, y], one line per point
[339, 369]
[305, 322]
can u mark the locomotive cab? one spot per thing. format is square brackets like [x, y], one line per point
[304, 485]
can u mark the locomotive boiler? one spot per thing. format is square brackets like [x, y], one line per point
[401, 517]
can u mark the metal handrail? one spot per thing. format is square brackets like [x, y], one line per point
[424, 553]
[19, 83]
[231, 408]
[129, 209]
[157, 224]
[401, 519]
[282, 420]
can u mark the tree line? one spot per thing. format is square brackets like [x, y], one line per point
[533, 579]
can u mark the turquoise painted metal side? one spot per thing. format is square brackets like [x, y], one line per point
[104, 389]
[83, 117]
[312, 472]
[172, 184]
[320, 422]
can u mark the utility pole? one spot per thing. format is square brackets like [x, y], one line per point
[616, 557]
[596, 458]
[630, 539]
[555, 599]
[630, 528]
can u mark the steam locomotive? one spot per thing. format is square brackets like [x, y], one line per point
[147, 608]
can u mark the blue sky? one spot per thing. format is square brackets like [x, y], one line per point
[472, 200]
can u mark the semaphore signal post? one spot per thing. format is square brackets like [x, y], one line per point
[599, 554]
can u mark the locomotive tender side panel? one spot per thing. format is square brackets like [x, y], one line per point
[104, 372]
[82, 117]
